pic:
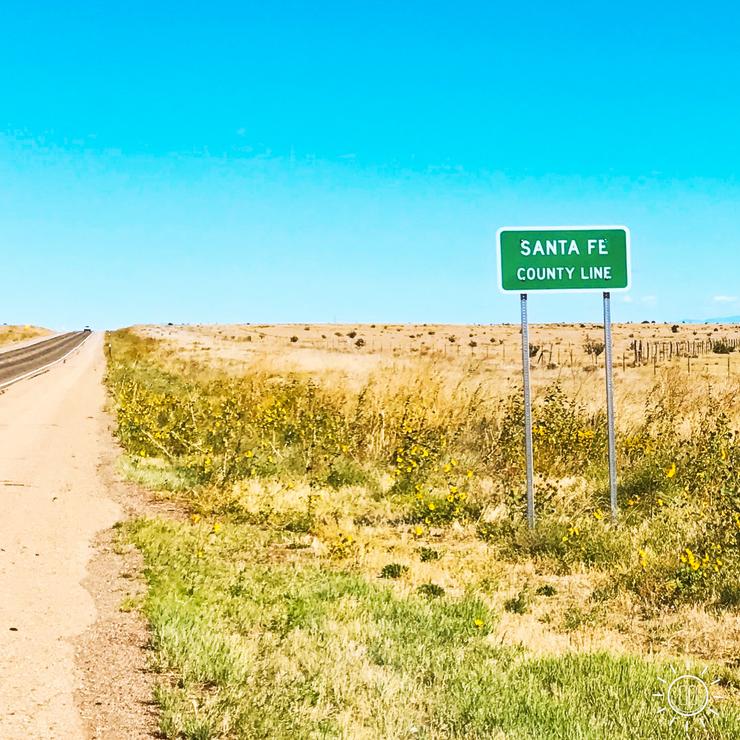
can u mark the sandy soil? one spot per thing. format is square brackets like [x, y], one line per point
[54, 501]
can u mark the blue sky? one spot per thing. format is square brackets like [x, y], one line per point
[335, 161]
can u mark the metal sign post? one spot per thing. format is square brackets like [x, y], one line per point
[610, 403]
[566, 259]
[527, 412]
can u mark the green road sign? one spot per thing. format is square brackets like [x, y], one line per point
[563, 258]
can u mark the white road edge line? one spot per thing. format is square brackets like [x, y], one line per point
[44, 368]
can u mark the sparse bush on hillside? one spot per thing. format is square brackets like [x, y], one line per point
[722, 347]
[593, 347]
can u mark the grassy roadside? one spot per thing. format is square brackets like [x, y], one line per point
[255, 641]
[312, 593]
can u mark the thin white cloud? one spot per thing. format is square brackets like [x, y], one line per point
[724, 298]
[649, 300]
[627, 299]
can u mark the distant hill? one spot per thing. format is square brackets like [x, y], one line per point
[720, 320]
[10, 334]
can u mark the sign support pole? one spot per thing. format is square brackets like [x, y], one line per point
[527, 412]
[610, 403]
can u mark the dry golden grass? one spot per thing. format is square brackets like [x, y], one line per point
[398, 352]
[12, 334]
[395, 355]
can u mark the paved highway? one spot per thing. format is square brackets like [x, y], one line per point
[20, 362]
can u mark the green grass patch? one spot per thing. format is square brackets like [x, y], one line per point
[251, 645]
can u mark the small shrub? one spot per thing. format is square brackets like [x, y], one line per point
[427, 554]
[546, 590]
[346, 472]
[360, 342]
[593, 347]
[519, 604]
[575, 618]
[343, 547]
[729, 596]
[393, 570]
[722, 348]
[294, 339]
[431, 590]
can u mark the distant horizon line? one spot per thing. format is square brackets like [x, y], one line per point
[724, 320]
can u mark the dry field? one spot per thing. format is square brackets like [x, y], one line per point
[12, 334]
[352, 558]
[487, 354]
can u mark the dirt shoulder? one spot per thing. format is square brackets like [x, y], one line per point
[74, 665]
[114, 681]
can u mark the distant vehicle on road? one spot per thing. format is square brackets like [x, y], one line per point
[87, 328]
